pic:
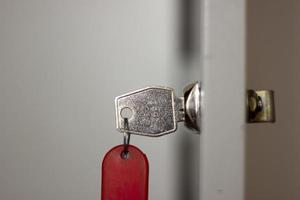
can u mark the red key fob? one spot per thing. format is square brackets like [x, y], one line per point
[125, 178]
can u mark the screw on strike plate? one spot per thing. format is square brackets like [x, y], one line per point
[260, 106]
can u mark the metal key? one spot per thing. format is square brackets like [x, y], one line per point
[155, 111]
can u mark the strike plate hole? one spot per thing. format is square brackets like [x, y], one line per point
[126, 113]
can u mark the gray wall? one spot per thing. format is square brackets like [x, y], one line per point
[273, 150]
[61, 65]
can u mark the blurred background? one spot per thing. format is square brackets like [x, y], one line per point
[273, 53]
[62, 63]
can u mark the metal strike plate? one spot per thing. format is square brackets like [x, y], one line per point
[261, 106]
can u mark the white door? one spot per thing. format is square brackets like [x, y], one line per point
[63, 62]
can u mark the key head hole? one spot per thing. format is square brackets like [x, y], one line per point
[126, 113]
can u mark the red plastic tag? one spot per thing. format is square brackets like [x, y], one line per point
[125, 178]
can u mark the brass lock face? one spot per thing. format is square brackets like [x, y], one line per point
[260, 106]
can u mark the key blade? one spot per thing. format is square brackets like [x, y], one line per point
[153, 111]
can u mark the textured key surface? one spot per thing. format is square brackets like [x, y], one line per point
[153, 111]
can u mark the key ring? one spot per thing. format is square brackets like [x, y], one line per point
[126, 139]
